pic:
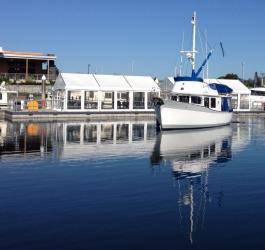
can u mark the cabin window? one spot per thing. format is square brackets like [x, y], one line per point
[206, 102]
[184, 98]
[196, 99]
[122, 100]
[213, 103]
[174, 98]
[1, 96]
[74, 100]
[108, 100]
[91, 100]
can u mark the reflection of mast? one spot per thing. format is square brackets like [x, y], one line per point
[191, 211]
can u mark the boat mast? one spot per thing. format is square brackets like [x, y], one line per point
[193, 52]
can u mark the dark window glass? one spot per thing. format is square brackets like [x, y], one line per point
[206, 102]
[196, 99]
[184, 98]
[213, 103]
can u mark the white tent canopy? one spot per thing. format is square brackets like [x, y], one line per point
[74, 81]
[142, 83]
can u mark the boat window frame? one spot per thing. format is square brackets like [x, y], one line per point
[211, 102]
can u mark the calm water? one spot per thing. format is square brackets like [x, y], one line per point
[120, 185]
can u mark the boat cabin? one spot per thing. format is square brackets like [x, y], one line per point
[214, 96]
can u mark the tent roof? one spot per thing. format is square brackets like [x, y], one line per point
[78, 82]
[112, 82]
[72, 81]
[144, 83]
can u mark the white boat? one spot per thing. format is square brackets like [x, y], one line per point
[193, 103]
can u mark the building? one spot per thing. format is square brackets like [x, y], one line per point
[23, 67]
[91, 92]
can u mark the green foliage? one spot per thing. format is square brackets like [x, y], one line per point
[229, 76]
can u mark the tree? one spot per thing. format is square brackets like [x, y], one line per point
[229, 76]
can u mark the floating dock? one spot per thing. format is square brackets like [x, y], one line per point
[77, 115]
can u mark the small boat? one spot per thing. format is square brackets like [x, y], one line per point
[193, 103]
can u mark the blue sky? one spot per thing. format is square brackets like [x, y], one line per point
[113, 35]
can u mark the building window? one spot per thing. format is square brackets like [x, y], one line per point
[213, 103]
[107, 100]
[74, 100]
[174, 98]
[196, 99]
[244, 101]
[91, 99]
[150, 96]
[123, 100]
[138, 100]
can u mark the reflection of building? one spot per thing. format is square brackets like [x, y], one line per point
[99, 139]
[24, 66]
[190, 153]
[25, 138]
[80, 139]
[89, 92]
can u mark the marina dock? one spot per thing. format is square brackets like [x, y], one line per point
[77, 115]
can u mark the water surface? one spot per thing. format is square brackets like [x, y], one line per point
[121, 185]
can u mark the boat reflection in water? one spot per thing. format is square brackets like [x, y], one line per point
[190, 153]
[77, 139]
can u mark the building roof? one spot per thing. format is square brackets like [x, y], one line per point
[74, 81]
[237, 86]
[26, 55]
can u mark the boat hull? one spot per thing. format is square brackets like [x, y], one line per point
[177, 115]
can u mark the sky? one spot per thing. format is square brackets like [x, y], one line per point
[137, 37]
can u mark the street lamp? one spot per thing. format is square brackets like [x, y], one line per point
[43, 91]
